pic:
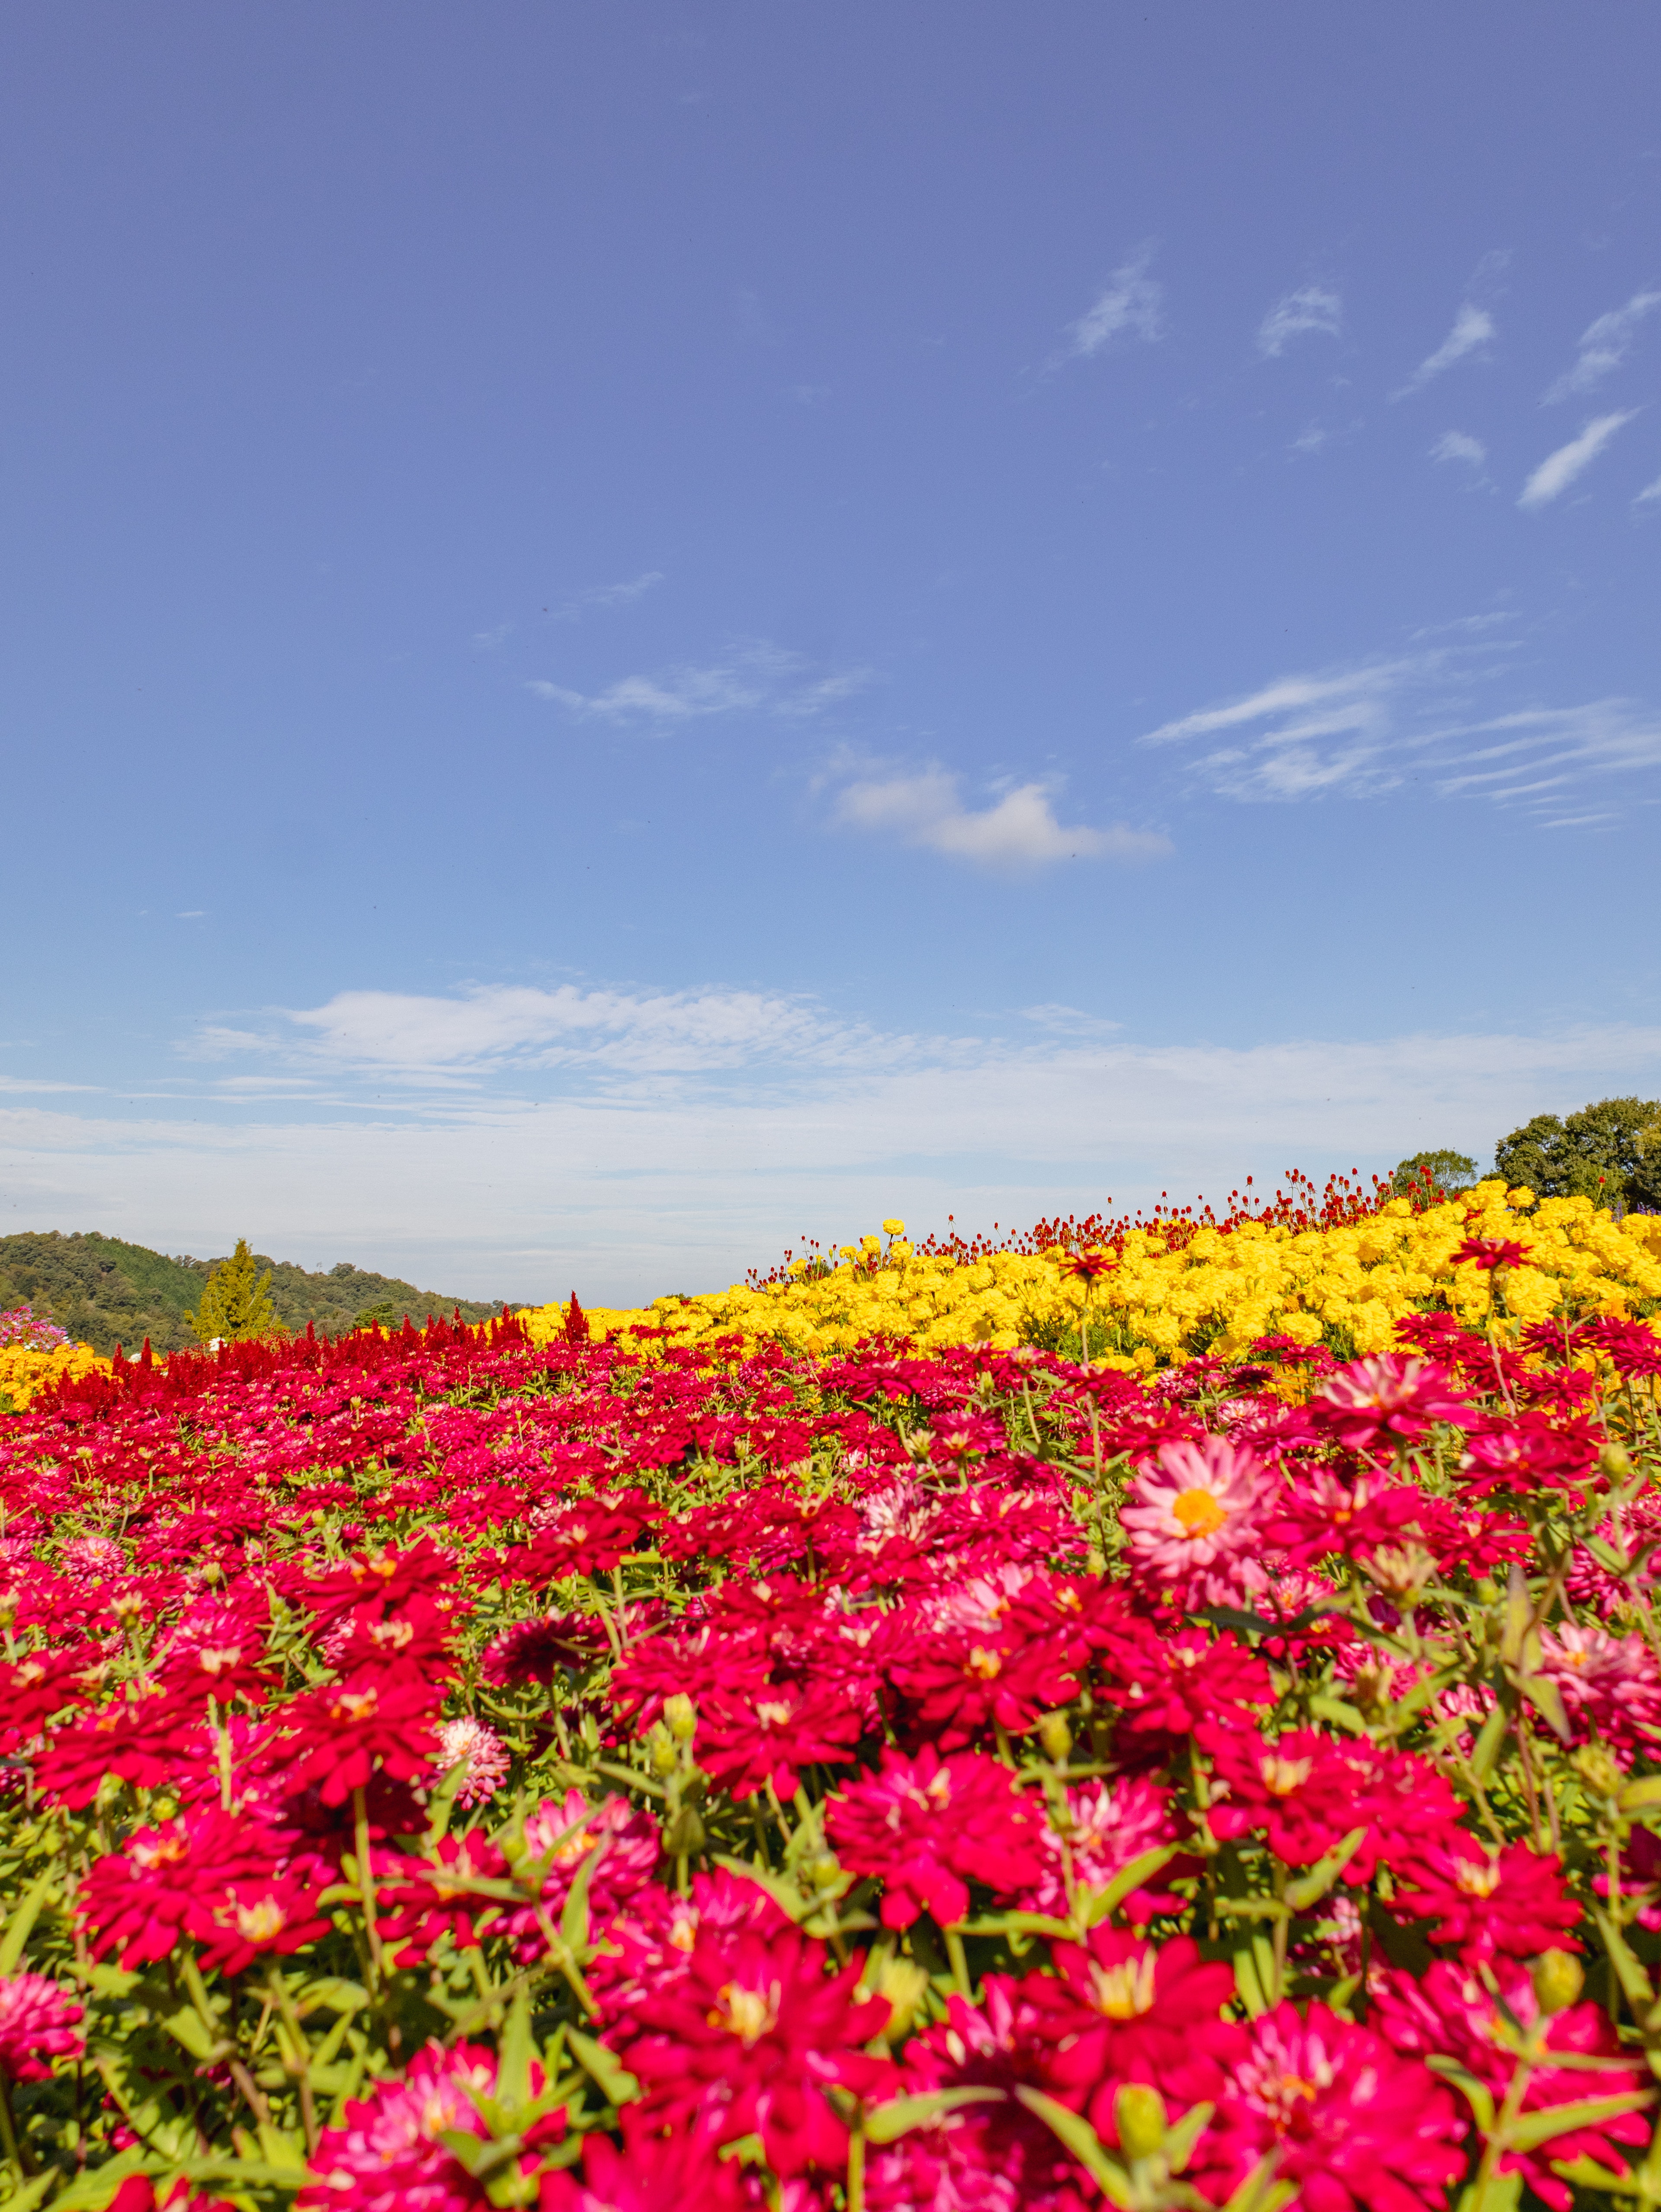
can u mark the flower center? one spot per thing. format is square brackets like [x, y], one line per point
[1124, 1991]
[985, 1664]
[747, 2014]
[257, 1923]
[772, 1714]
[1283, 1776]
[1474, 1880]
[1198, 1513]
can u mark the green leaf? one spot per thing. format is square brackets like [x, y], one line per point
[1139, 1871]
[1303, 1893]
[885, 2123]
[1260, 2191]
[1477, 2094]
[21, 1925]
[1519, 1629]
[574, 1920]
[1249, 1981]
[1544, 1694]
[1503, 2194]
[513, 2052]
[1180, 2141]
[1535, 2128]
[1085, 2145]
[615, 2083]
[1340, 1712]
[1488, 1742]
[1585, 2172]
[1634, 1979]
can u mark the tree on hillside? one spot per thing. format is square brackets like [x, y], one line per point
[1433, 1176]
[1609, 1152]
[235, 1300]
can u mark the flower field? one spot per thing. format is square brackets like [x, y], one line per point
[1185, 1286]
[1164, 1721]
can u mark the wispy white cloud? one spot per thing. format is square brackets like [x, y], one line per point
[1314, 308]
[1458, 446]
[759, 677]
[484, 1030]
[1473, 328]
[1358, 731]
[1604, 345]
[599, 596]
[1019, 831]
[1650, 491]
[1558, 471]
[492, 641]
[1132, 306]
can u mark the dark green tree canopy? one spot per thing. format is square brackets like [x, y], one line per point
[1609, 1152]
[1433, 1176]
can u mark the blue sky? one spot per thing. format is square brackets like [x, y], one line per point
[633, 631]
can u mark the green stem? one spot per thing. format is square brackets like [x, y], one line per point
[366, 1877]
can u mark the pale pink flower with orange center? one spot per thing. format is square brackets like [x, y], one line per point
[1193, 1522]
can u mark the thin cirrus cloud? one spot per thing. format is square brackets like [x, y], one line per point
[1473, 328]
[1459, 445]
[1604, 346]
[1017, 832]
[1314, 310]
[599, 596]
[1559, 469]
[1358, 732]
[485, 1030]
[759, 678]
[1131, 307]
[1650, 491]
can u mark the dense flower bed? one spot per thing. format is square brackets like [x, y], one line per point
[447, 1770]
[35, 1354]
[1179, 1288]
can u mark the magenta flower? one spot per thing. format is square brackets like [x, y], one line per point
[37, 2022]
[1351, 2122]
[928, 1825]
[1392, 1395]
[391, 2155]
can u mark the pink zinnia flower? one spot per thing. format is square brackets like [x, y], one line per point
[481, 1754]
[36, 2021]
[1392, 1395]
[1351, 2122]
[1194, 1523]
[391, 2156]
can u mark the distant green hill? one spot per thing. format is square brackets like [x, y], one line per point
[103, 1290]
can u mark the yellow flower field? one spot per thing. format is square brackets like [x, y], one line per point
[24, 1371]
[1218, 1290]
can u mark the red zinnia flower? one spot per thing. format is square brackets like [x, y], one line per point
[1511, 1899]
[342, 1735]
[1122, 2009]
[929, 1825]
[750, 2039]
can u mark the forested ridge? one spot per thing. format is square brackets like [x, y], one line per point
[104, 1290]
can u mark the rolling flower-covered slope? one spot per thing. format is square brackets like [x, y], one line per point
[450, 1769]
[1179, 1288]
